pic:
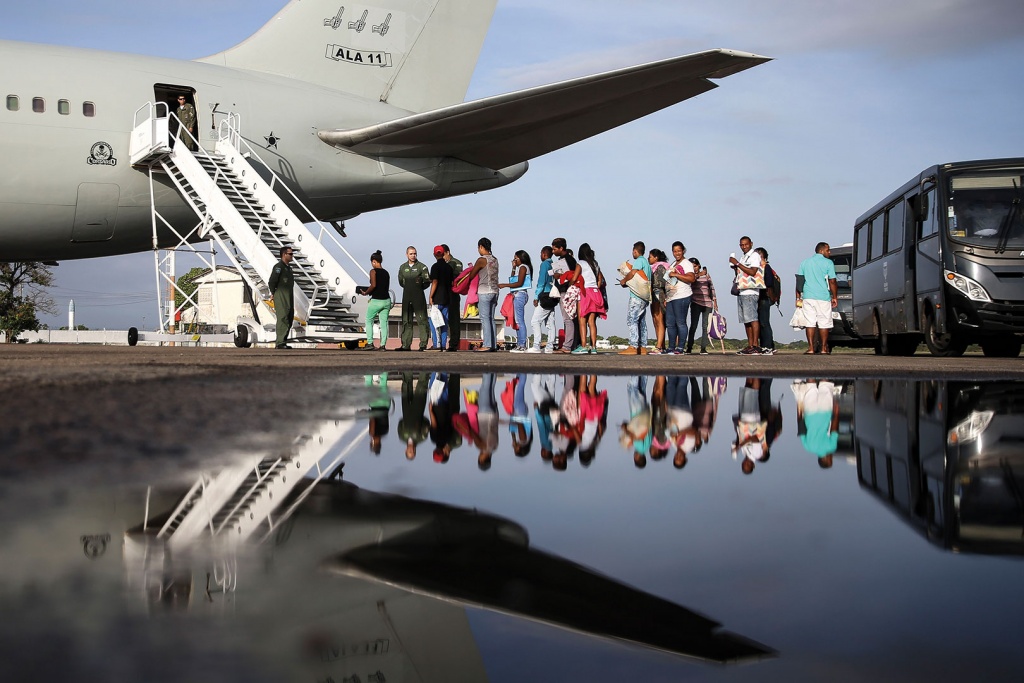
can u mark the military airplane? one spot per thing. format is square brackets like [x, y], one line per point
[351, 120]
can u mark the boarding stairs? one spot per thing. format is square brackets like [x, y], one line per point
[247, 209]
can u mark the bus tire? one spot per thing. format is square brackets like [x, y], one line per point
[352, 344]
[133, 336]
[942, 345]
[1001, 347]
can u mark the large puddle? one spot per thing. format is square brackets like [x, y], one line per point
[549, 528]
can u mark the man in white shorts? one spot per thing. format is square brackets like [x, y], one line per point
[816, 296]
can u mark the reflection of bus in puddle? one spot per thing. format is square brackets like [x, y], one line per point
[948, 458]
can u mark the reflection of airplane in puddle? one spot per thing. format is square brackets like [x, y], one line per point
[948, 458]
[399, 572]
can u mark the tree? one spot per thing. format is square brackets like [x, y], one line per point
[22, 295]
[186, 283]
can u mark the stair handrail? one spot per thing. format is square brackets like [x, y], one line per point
[230, 130]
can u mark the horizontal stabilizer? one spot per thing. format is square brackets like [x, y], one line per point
[508, 129]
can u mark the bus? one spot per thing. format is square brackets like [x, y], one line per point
[941, 260]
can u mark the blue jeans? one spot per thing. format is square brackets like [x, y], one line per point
[441, 343]
[486, 305]
[636, 321]
[676, 327]
[519, 304]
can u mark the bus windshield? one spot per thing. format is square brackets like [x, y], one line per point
[986, 209]
[844, 278]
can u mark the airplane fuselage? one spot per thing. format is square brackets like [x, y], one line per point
[60, 169]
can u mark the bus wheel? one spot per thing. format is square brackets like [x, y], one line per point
[1001, 347]
[943, 345]
[352, 344]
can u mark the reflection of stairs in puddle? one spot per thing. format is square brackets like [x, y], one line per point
[245, 501]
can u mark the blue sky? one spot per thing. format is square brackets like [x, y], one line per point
[860, 97]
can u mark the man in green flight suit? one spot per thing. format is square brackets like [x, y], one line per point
[187, 115]
[282, 281]
[454, 304]
[413, 278]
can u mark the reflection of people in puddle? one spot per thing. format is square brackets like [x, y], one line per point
[594, 417]
[380, 409]
[545, 412]
[817, 415]
[660, 442]
[682, 432]
[479, 424]
[413, 427]
[439, 410]
[636, 434]
[751, 427]
[705, 409]
[513, 398]
[566, 421]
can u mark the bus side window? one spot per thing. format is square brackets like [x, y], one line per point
[877, 240]
[895, 227]
[927, 210]
[861, 240]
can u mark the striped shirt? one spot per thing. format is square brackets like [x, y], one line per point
[703, 291]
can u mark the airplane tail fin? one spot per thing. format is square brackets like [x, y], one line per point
[417, 55]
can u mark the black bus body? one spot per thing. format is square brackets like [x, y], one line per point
[941, 260]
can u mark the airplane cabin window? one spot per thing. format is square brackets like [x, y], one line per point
[88, 109]
[63, 107]
[12, 103]
[38, 105]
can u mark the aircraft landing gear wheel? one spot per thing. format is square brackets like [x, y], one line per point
[1001, 347]
[352, 344]
[942, 345]
[133, 336]
[242, 340]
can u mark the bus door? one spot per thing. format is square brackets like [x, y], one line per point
[928, 272]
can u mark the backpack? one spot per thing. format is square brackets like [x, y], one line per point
[774, 287]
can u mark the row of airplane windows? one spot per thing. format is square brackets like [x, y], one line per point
[39, 106]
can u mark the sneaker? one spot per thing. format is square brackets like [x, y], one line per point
[534, 349]
[765, 351]
[369, 347]
[704, 352]
[749, 351]
[579, 350]
[591, 349]
[519, 349]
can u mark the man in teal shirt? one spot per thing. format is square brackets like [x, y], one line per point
[636, 313]
[816, 295]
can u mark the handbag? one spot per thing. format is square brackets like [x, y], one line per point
[436, 317]
[717, 326]
[547, 302]
[640, 286]
[755, 281]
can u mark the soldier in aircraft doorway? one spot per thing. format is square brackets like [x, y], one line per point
[186, 113]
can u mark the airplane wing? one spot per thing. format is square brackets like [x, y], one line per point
[500, 131]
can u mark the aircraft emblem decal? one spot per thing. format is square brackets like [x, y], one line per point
[101, 154]
[340, 53]
[335, 21]
[272, 140]
[361, 24]
[382, 29]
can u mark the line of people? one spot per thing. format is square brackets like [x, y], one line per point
[677, 291]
